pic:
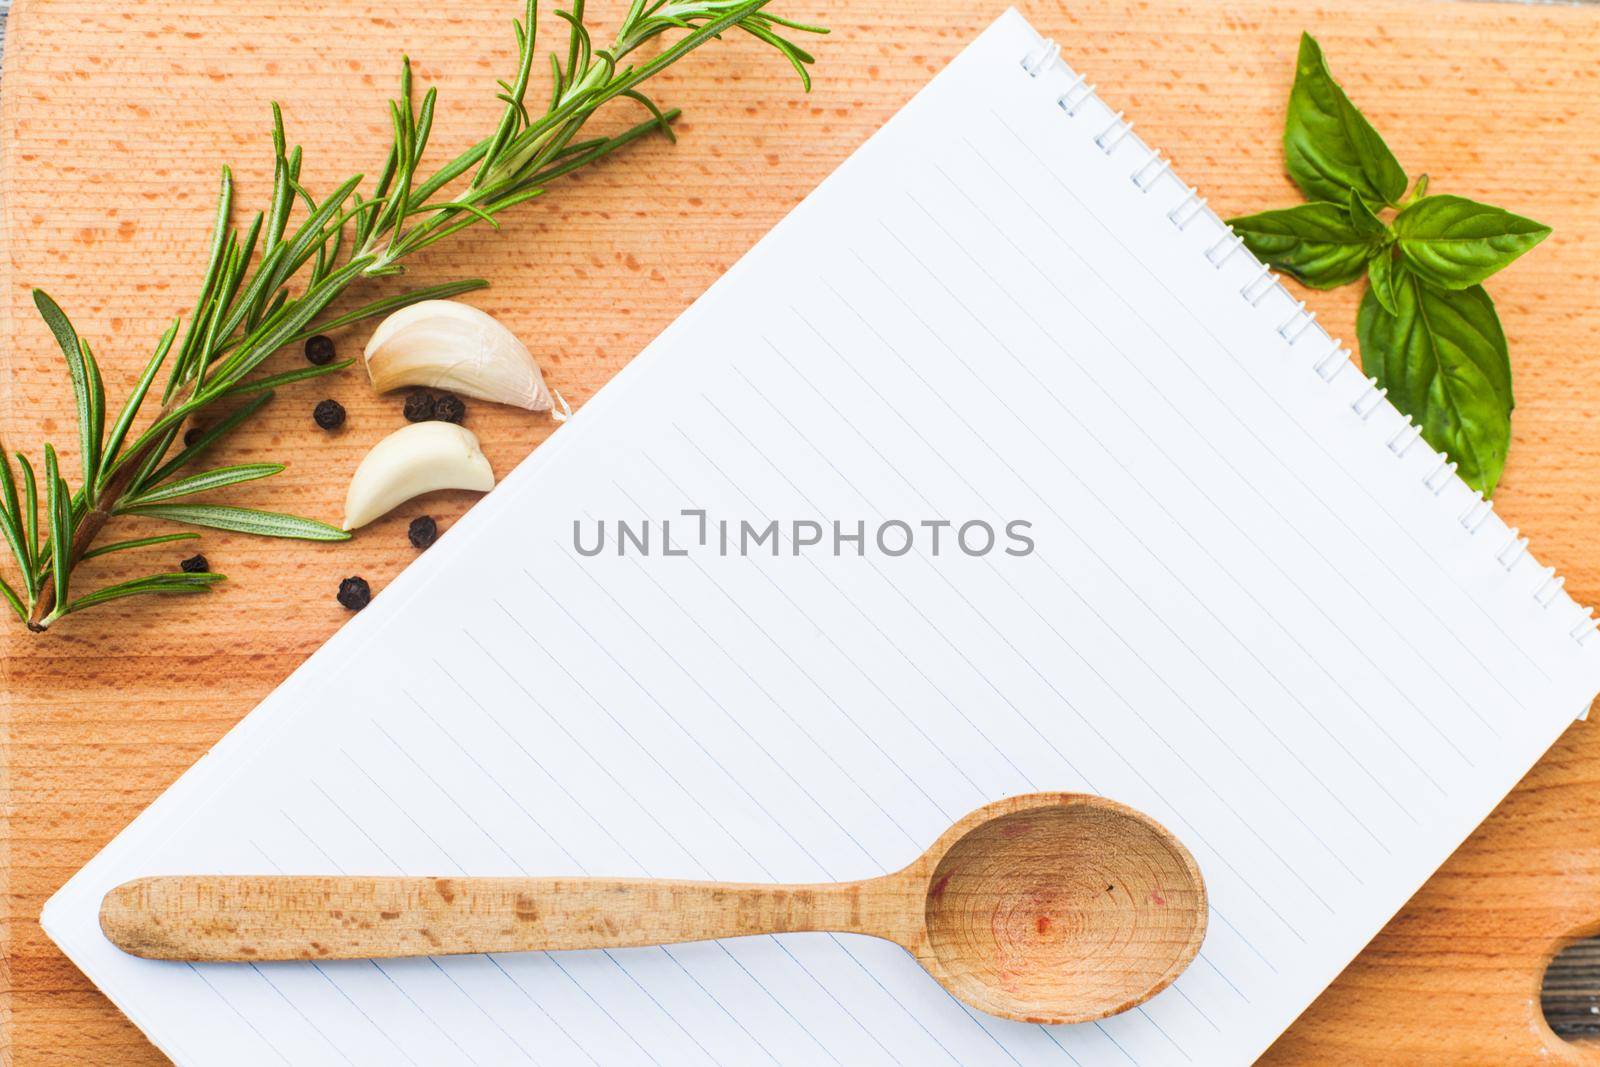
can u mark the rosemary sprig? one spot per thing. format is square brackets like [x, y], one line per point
[270, 285]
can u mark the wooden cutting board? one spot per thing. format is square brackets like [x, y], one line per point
[115, 118]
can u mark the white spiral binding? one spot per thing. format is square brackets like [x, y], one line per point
[1146, 176]
[1219, 254]
[1584, 626]
[1042, 60]
[1108, 139]
[1370, 400]
[1335, 360]
[1404, 438]
[1191, 208]
[1547, 589]
[1252, 291]
[1075, 95]
[1439, 479]
[1514, 550]
[1301, 319]
[1476, 514]
[1328, 365]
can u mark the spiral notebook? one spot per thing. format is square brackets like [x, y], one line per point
[997, 466]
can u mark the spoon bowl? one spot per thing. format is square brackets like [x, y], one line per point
[1044, 907]
[1061, 909]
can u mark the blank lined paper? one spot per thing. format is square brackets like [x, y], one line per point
[1250, 605]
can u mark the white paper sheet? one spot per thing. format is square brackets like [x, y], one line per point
[1244, 613]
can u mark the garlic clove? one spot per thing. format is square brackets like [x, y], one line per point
[415, 459]
[443, 344]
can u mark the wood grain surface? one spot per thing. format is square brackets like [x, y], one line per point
[115, 119]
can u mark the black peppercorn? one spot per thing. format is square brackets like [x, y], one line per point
[329, 414]
[419, 407]
[355, 593]
[423, 531]
[191, 435]
[447, 407]
[319, 350]
[196, 564]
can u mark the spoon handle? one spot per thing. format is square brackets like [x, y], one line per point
[227, 917]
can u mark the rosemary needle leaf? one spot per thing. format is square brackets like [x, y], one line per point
[12, 599]
[243, 520]
[424, 122]
[8, 488]
[96, 431]
[219, 242]
[12, 532]
[797, 57]
[393, 303]
[279, 142]
[459, 205]
[203, 482]
[270, 339]
[155, 453]
[56, 504]
[790, 24]
[204, 441]
[59, 324]
[288, 377]
[273, 282]
[61, 552]
[568, 164]
[130, 409]
[661, 120]
[161, 584]
[30, 516]
[282, 195]
[139, 542]
[11, 518]
[72, 349]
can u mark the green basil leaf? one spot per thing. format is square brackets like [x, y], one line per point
[1381, 272]
[1320, 244]
[1454, 242]
[1443, 358]
[1366, 221]
[1331, 148]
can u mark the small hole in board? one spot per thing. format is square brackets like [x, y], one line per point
[1570, 994]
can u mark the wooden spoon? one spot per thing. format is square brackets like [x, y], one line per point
[1047, 907]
